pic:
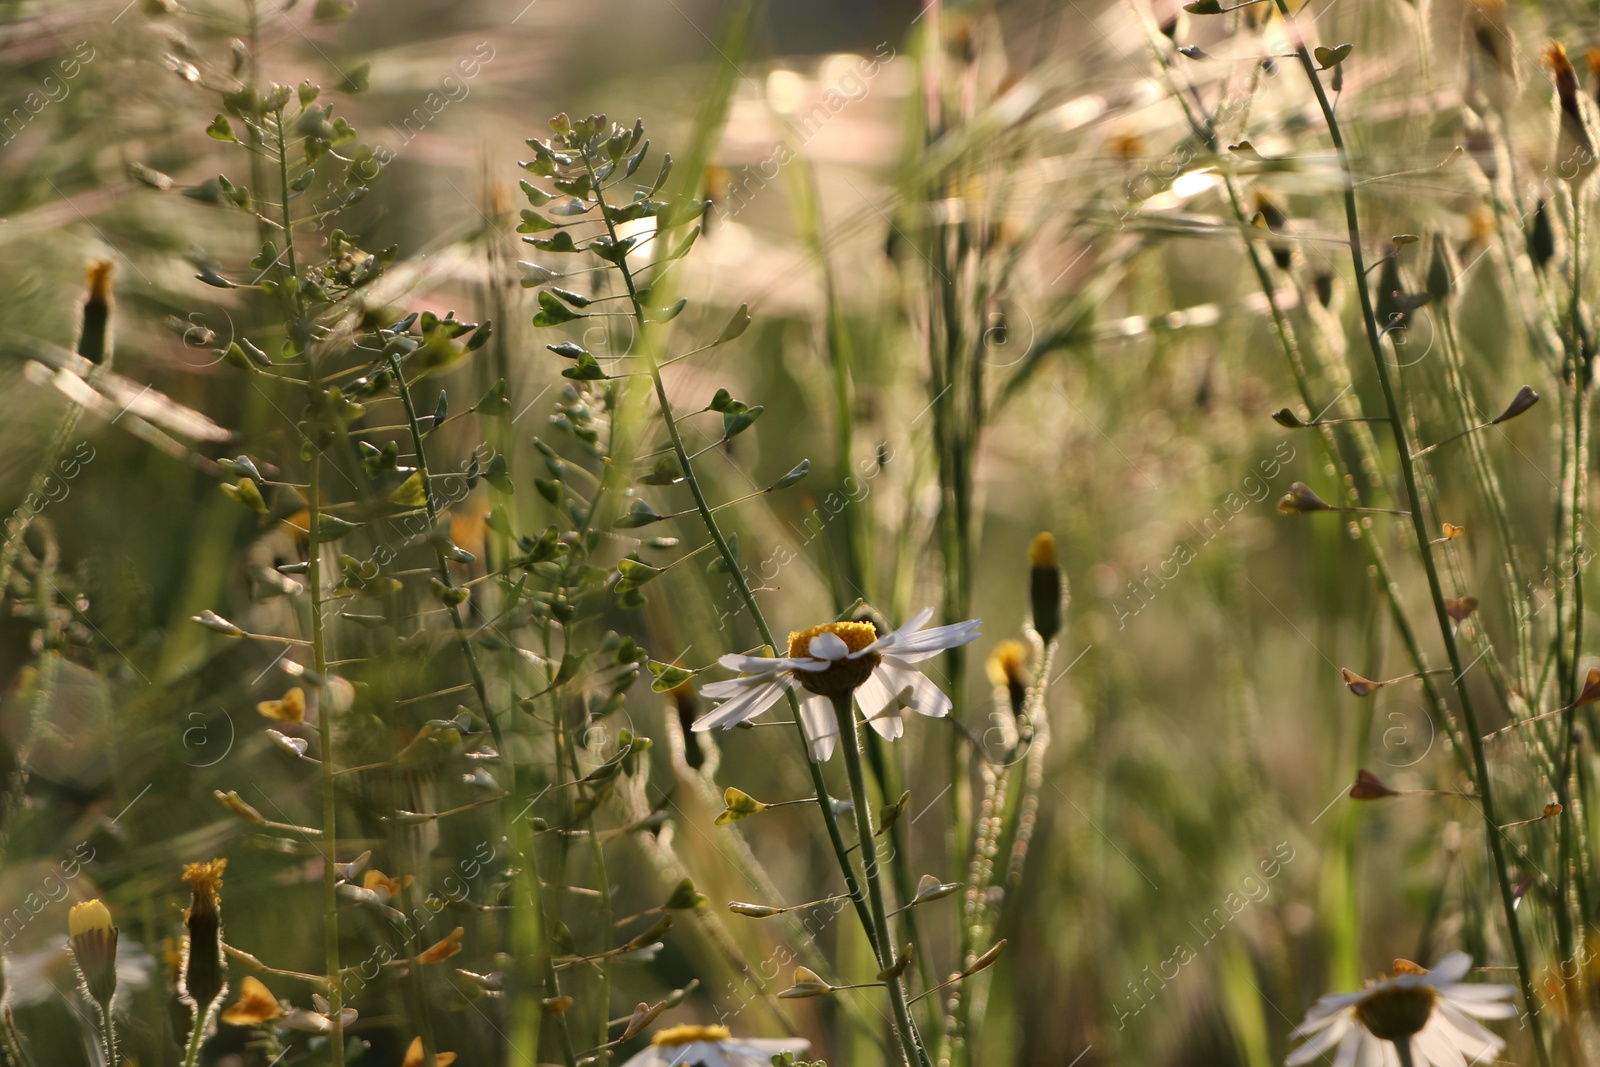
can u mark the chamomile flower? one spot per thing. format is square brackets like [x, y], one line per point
[1417, 1018]
[835, 660]
[711, 1046]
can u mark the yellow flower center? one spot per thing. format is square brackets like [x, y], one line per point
[684, 1035]
[846, 675]
[1394, 1013]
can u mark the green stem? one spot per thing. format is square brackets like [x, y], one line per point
[1403, 449]
[299, 336]
[861, 802]
[736, 573]
[108, 1035]
[197, 1036]
[441, 561]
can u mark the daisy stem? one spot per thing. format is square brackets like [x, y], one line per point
[1397, 425]
[1403, 1048]
[108, 1033]
[735, 572]
[197, 1036]
[861, 803]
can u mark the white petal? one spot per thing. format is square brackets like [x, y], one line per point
[1324, 1011]
[915, 688]
[734, 686]
[746, 706]
[1484, 1001]
[874, 694]
[1452, 968]
[1469, 1037]
[735, 661]
[650, 1056]
[828, 646]
[889, 727]
[821, 726]
[913, 644]
[767, 1046]
[1439, 1051]
[1329, 1037]
[1350, 1047]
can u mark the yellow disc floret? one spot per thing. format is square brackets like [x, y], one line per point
[684, 1035]
[846, 675]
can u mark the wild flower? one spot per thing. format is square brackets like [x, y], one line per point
[711, 1046]
[838, 659]
[1414, 1018]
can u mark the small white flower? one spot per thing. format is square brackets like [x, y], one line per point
[1432, 1010]
[712, 1046]
[832, 660]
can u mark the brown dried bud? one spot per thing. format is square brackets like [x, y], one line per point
[1369, 787]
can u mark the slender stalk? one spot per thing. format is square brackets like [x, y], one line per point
[861, 802]
[108, 1036]
[442, 562]
[300, 336]
[1403, 449]
[197, 1036]
[736, 573]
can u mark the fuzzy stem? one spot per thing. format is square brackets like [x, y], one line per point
[197, 1036]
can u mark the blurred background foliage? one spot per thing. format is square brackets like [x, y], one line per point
[1201, 736]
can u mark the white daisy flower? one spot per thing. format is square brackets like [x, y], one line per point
[1418, 1018]
[834, 659]
[712, 1046]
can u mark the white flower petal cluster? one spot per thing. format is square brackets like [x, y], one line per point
[893, 682]
[1451, 1036]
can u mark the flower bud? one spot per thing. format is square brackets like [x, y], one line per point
[93, 939]
[1046, 590]
[203, 979]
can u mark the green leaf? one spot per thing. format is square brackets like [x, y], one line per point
[667, 676]
[221, 130]
[637, 571]
[247, 494]
[632, 162]
[567, 208]
[640, 514]
[331, 528]
[560, 242]
[569, 350]
[736, 325]
[447, 594]
[533, 222]
[667, 471]
[1331, 57]
[412, 492]
[800, 470]
[536, 196]
[736, 422]
[661, 179]
[497, 401]
[670, 313]
[577, 300]
[722, 401]
[587, 369]
[1203, 7]
[553, 312]
[499, 474]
